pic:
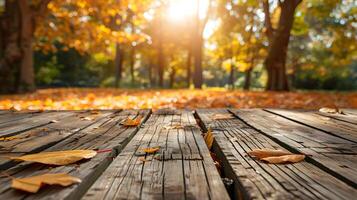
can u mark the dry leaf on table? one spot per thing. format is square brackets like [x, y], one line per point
[9, 138]
[58, 157]
[173, 126]
[294, 158]
[263, 153]
[151, 150]
[34, 183]
[331, 110]
[131, 122]
[222, 116]
[274, 156]
[208, 137]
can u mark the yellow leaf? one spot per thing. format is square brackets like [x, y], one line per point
[132, 122]
[9, 138]
[209, 138]
[58, 157]
[34, 183]
[222, 116]
[263, 153]
[151, 150]
[294, 158]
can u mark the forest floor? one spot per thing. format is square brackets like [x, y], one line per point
[98, 98]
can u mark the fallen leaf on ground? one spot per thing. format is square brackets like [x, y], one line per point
[151, 150]
[208, 137]
[57, 157]
[294, 158]
[173, 126]
[34, 183]
[274, 156]
[131, 122]
[9, 138]
[331, 110]
[263, 153]
[222, 116]
[87, 118]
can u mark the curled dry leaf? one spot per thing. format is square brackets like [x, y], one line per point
[222, 116]
[294, 158]
[34, 183]
[208, 137]
[132, 122]
[331, 110]
[173, 126]
[151, 150]
[263, 153]
[58, 157]
[274, 156]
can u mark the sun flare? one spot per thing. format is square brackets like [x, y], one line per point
[179, 10]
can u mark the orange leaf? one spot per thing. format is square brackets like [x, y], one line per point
[208, 137]
[131, 122]
[151, 150]
[58, 157]
[294, 158]
[263, 153]
[34, 183]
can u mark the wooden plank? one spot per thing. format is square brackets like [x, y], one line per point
[350, 111]
[183, 168]
[105, 134]
[342, 117]
[234, 138]
[40, 138]
[14, 127]
[13, 116]
[323, 148]
[336, 128]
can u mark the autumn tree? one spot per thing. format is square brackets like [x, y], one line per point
[278, 43]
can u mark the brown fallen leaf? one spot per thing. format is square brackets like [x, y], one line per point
[208, 137]
[58, 157]
[294, 158]
[222, 116]
[132, 122]
[331, 110]
[34, 183]
[263, 153]
[151, 150]
[173, 126]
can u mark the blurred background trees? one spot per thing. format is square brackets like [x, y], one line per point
[268, 44]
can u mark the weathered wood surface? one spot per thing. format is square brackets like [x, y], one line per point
[234, 138]
[324, 148]
[103, 133]
[182, 169]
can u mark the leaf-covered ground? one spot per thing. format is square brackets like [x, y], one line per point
[76, 99]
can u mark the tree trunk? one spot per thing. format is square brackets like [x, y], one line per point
[10, 49]
[197, 49]
[231, 75]
[27, 74]
[160, 63]
[276, 59]
[132, 65]
[247, 79]
[118, 64]
[172, 78]
[188, 67]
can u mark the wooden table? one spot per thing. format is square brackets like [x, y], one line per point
[183, 168]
